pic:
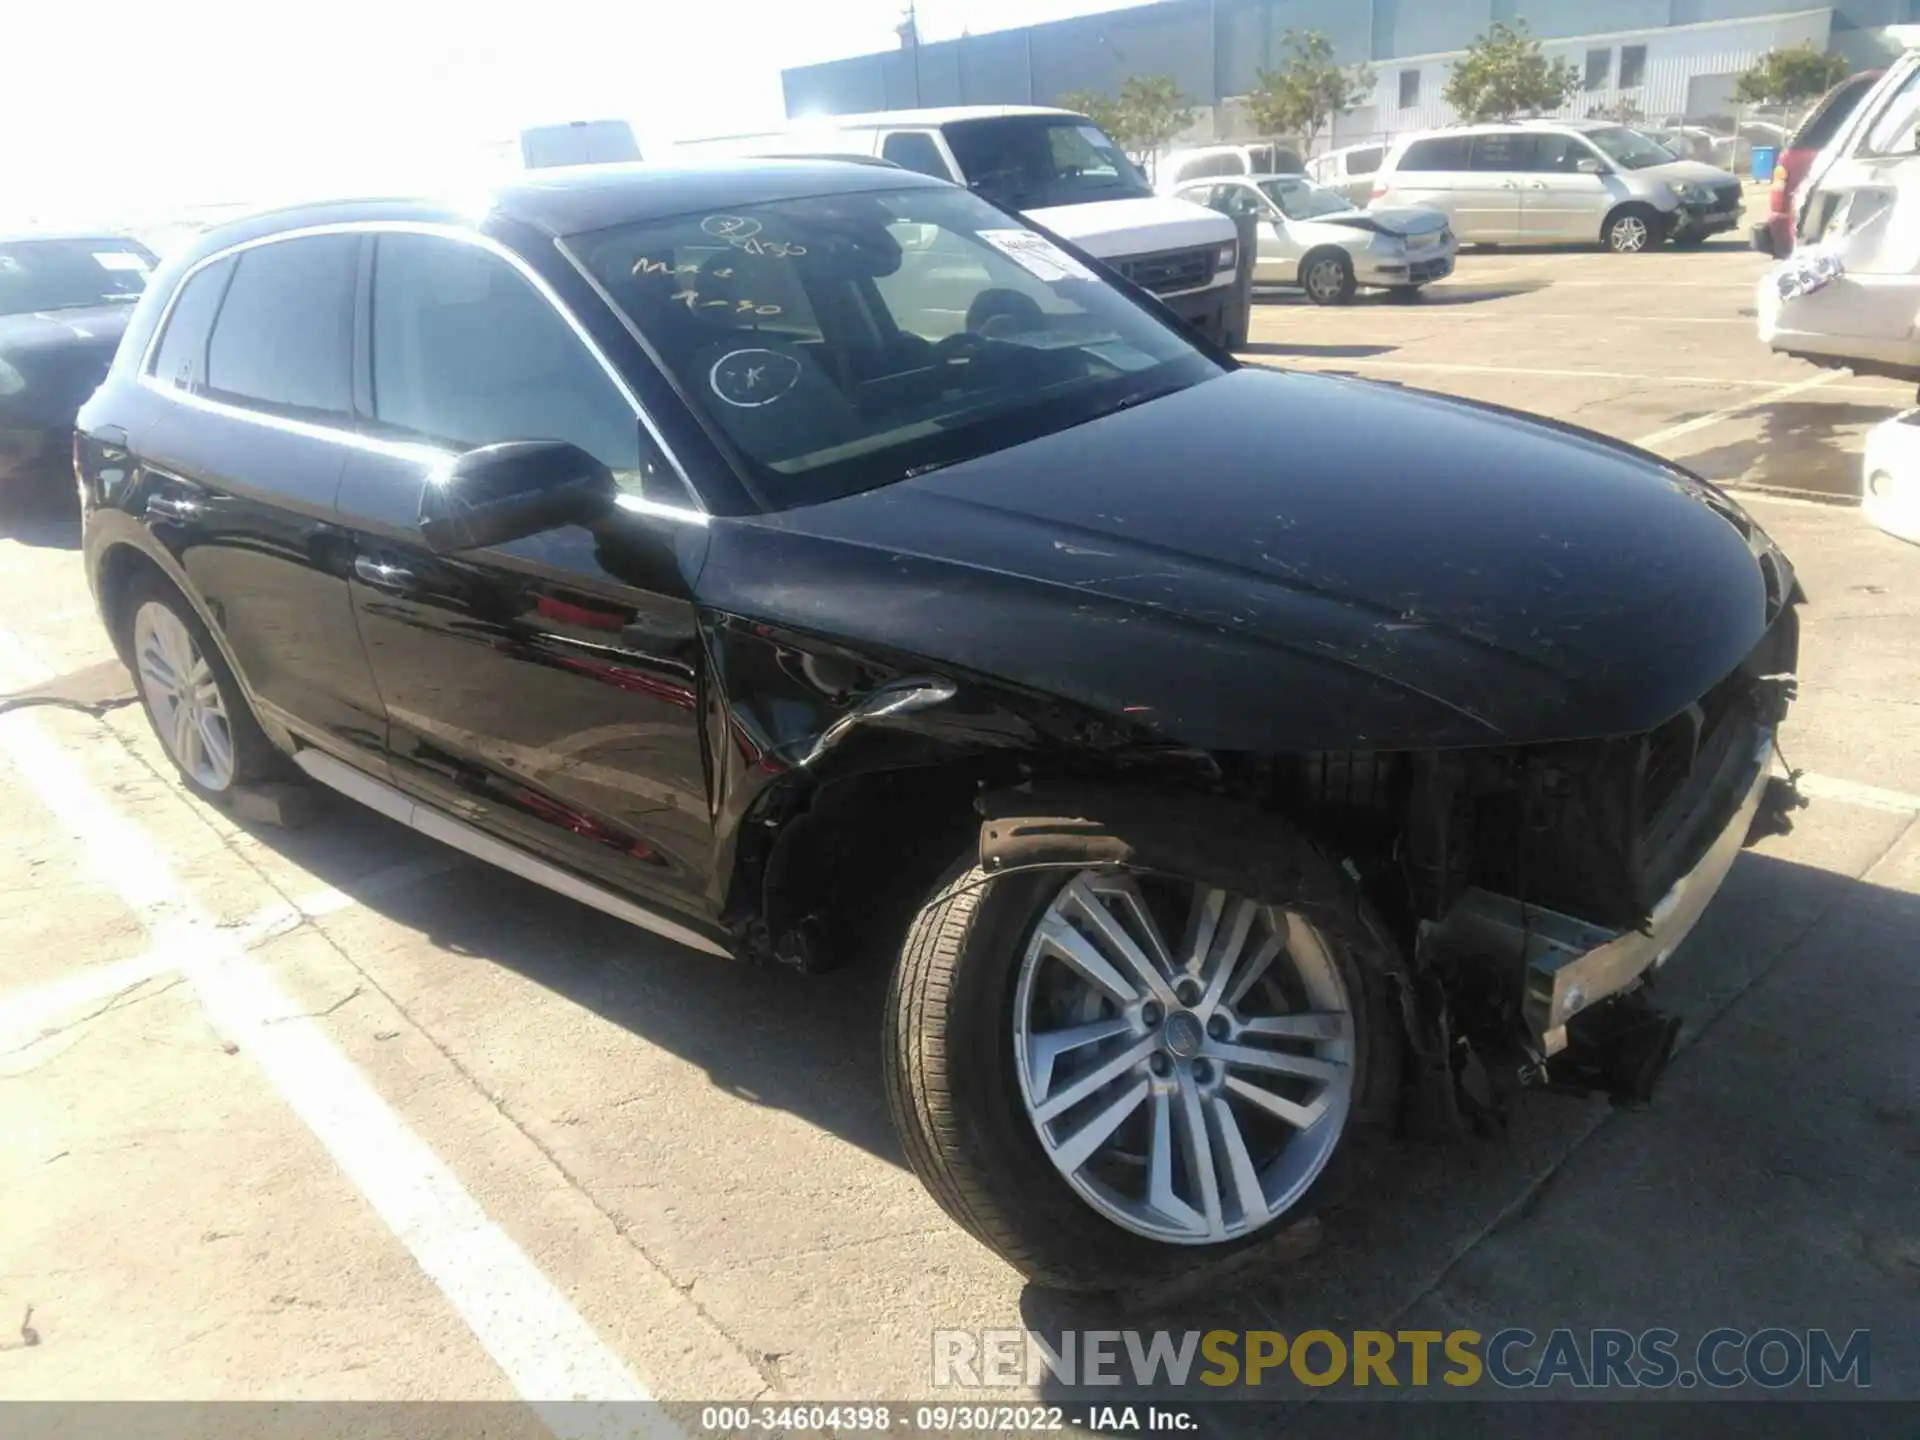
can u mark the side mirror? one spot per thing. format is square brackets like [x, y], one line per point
[508, 491]
[1587, 165]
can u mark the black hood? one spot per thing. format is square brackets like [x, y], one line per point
[1281, 561]
[91, 327]
[60, 357]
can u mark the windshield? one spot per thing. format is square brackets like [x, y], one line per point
[1028, 162]
[846, 341]
[69, 274]
[1629, 149]
[1304, 200]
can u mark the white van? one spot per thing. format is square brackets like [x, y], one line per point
[1848, 296]
[1350, 171]
[1180, 168]
[1057, 169]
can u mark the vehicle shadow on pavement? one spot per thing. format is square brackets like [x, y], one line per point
[1316, 352]
[1438, 294]
[1769, 1183]
[41, 526]
[806, 1044]
[1772, 1176]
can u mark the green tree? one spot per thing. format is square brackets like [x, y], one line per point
[1151, 111]
[1307, 91]
[1784, 77]
[1504, 75]
[1103, 110]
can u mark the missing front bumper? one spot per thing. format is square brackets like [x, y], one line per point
[1570, 965]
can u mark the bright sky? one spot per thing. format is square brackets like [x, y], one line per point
[121, 111]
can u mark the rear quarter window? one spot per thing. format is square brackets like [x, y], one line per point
[180, 359]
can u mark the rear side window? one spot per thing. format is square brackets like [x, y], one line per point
[181, 360]
[1833, 112]
[467, 353]
[1509, 151]
[1364, 162]
[1442, 152]
[915, 150]
[1892, 129]
[282, 341]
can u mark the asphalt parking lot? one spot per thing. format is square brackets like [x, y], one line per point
[329, 1112]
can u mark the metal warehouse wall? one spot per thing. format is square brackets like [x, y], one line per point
[1213, 47]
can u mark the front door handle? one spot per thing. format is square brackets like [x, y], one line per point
[172, 507]
[381, 573]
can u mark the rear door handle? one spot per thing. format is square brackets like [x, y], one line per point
[382, 573]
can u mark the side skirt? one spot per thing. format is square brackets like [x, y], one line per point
[396, 805]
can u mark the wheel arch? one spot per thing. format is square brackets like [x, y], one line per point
[118, 569]
[1656, 222]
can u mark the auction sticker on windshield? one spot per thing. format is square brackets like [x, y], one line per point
[1037, 255]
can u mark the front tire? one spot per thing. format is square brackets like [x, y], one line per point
[1327, 277]
[1631, 230]
[192, 700]
[1108, 1104]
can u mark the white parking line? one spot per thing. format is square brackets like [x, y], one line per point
[1730, 412]
[546, 1350]
[1852, 792]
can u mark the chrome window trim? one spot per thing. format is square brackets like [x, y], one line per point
[418, 451]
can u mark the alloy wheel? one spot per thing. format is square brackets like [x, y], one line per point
[1189, 1092]
[1630, 234]
[183, 696]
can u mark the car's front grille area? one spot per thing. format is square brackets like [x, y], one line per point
[1726, 197]
[1169, 271]
[1430, 269]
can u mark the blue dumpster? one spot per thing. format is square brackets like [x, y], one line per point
[1765, 157]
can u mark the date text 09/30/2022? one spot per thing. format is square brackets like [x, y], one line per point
[935, 1419]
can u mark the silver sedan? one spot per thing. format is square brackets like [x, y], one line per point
[1314, 238]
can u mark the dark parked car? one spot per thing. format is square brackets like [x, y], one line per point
[796, 557]
[64, 301]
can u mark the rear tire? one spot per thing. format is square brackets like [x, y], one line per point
[962, 1059]
[197, 709]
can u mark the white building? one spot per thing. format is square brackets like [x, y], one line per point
[1665, 75]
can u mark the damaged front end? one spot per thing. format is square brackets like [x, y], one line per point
[1540, 888]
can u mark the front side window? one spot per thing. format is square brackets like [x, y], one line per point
[1560, 154]
[281, 343]
[467, 353]
[1029, 162]
[915, 150]
[70, 274]
[1629, 149]
[1300, 199]
[842, 342]
[181, 359]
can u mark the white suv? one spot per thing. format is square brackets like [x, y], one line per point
[1546, 182]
